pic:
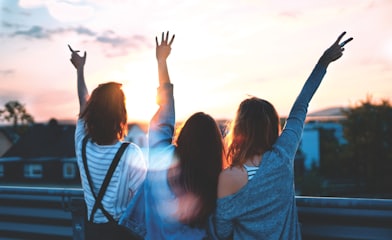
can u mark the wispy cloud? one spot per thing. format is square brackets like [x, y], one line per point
[290, 14]
[6, 24]
[120, 45]
[84, 31]
[7, 10]
[6, 72]
[36, 32]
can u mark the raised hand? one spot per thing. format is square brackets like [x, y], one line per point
[77, 60]
[163, 49]
[335, 51]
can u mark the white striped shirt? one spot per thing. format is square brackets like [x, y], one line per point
[251, 170]
[126, 180]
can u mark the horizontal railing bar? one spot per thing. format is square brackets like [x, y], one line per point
[347, 203]
[45, 191]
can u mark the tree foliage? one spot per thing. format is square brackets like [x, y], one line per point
[16, 114]
[368, 130]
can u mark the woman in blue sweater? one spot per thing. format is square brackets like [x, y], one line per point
[180, 190]
[256, 195]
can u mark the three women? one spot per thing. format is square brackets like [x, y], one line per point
[256, 195]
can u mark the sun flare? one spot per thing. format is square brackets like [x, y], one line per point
[139, 85]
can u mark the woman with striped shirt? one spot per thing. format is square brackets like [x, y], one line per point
[99, 134]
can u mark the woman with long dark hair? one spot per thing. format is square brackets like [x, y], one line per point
[180, 190]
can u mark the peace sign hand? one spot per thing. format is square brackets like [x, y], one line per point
[335, 51]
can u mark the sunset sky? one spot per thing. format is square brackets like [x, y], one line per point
[224, 50]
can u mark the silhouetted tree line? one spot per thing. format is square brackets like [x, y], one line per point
[365, 160]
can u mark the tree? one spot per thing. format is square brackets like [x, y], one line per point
[16, 113]
[368, 130]
[330, 152]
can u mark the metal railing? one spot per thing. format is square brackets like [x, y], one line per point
[58, 213]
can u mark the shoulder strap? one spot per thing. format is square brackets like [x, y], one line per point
[90, 182]
[109, 174]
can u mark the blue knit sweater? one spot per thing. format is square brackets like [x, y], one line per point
[265, 207]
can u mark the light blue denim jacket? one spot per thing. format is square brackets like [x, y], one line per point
[265, 207]
[152, 213]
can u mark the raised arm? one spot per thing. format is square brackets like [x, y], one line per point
[79, 63]
[161, 128]
[293, 131]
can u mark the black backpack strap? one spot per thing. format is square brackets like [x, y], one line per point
[109, 174]
[90, 182]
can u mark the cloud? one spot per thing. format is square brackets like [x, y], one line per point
[6, 72]
[34, 32]
[9, 25]
[84, 31]
[116, 41]
[10, 11]
[6, 10]
[290, 14]
[63, 11]
[119, 45]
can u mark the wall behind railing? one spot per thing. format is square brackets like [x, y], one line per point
[58, 213]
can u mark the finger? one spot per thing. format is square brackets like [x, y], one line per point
[156, 41]
[167, 36]
[73, 51]
[163, 36]
[345, 42]
[171, 40]
[340, 37]
[70, 48]
[85, 55]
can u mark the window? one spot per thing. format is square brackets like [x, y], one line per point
[33, 170]
[69, 170]
[1, 170]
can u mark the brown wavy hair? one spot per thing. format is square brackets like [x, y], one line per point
[105, 114]
[253, 131]
[200, 152]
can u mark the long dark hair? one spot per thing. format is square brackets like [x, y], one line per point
[199, 150]
[253, 131]
[105, 114]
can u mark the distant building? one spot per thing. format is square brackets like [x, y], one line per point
[310, 147]
[45, 154]
[7, 138]
[329, 119]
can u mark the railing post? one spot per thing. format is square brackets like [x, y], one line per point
[78, 210]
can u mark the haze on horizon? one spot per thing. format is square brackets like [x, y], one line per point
[224, 51]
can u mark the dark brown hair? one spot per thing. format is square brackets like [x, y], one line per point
[105, 114]
[200, 152]
[253, 131]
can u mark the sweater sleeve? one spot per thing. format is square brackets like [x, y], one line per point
[291, 135]
[161, 127]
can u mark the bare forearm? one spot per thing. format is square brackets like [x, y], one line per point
[163, 72]
[82, 89]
